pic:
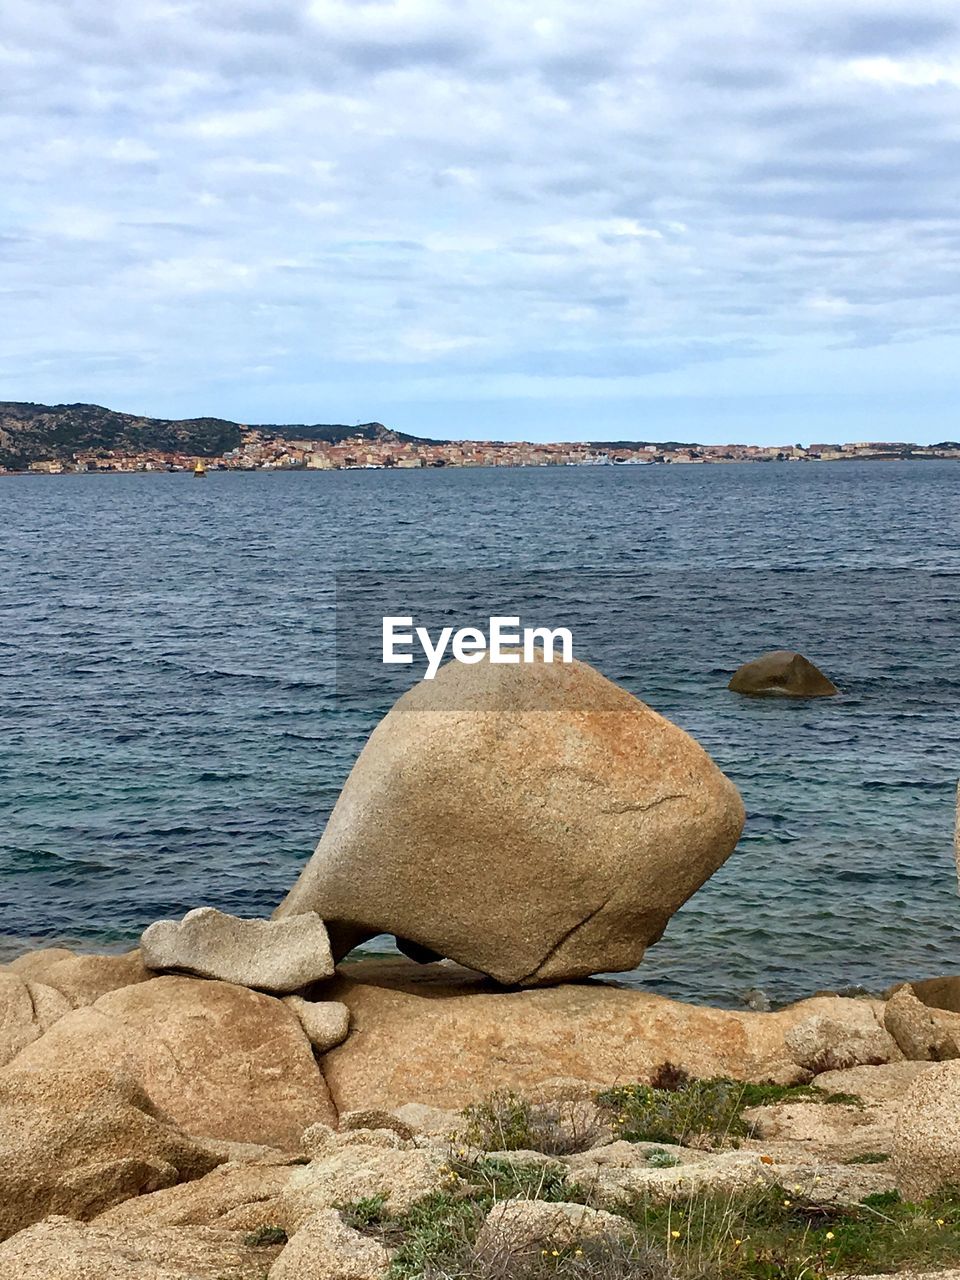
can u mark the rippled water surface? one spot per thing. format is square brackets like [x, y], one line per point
[171, 733]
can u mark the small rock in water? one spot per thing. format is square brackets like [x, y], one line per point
[756, 1000]
[782, 674]
[268, 955]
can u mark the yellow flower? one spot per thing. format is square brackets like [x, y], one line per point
[543, 1253]
[829, 1235]
[578, 1254]
[556, 1253]
[675, 1234]
[787, 1203]
[939, 1222]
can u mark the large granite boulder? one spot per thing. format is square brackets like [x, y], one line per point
[77, 1141]
[222, 1061]
[782, 674]
[533, 822]
[268, 955]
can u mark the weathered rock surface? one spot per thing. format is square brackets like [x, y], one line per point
[881, 1084]
[60, 1248]
[27, 1010]
[938, 993]
[268, 955]
[81, 978]
[325, 1248]
[919, 1035]
[782, 674]
[573, 783]
[616, 1182]
[429, 1122]
[835, 1131]
[221, 1060]
[77, 1141]
[519, 1226]
[326, 1023]
[613, 1185]
[355, 1166]
[926, 1139]
[829, 1043]
[238, 1196]
[443, 1037]
[375, 1118]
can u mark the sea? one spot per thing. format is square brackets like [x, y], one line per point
[187, 675]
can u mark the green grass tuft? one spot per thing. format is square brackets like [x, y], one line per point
[264, 1236]
[768, 1233]
[698, 1111]
[507, 1121]
[660, 1159]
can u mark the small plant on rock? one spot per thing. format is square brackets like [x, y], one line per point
[660, 1159]
[365, 1215]
[699, 1111]
[507, 1121]
[678, 1109]
[493, 1179]
[502, 1122]
[265, 1236]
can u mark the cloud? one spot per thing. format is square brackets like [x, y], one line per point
[307, 202]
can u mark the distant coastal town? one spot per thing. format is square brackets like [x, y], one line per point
[259, 450]
[69, 438]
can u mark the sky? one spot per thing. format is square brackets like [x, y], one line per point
[734, 220]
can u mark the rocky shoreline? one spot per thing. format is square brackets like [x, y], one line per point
[153, 1124]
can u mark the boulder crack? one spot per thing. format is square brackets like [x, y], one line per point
[565, 937]
[640, 807]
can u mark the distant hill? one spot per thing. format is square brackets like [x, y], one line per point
[34, 432]
[333, 434]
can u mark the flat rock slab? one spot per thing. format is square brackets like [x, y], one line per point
[444, 1037]
[66, 1250]
[241, 1197]
[268, 955]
